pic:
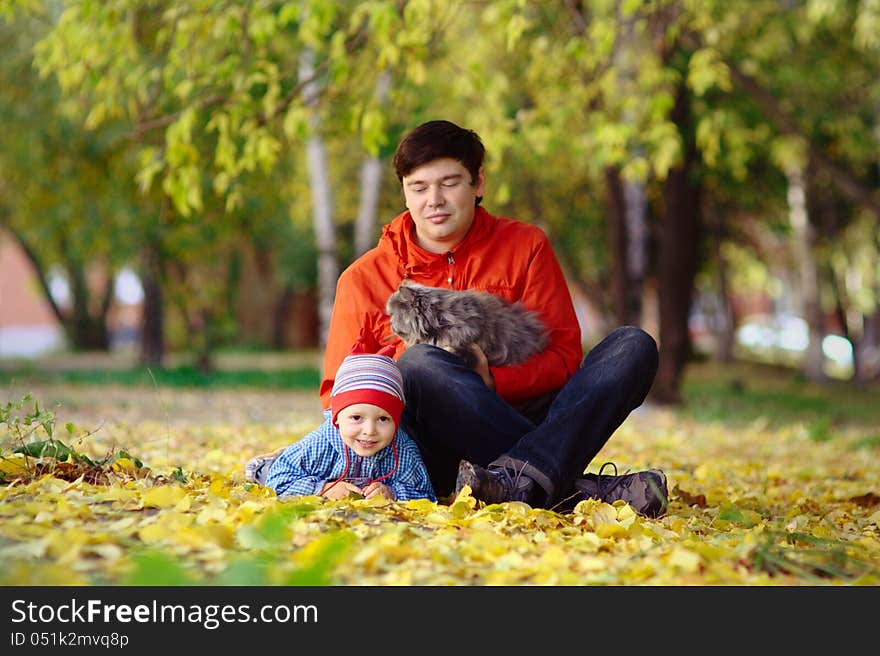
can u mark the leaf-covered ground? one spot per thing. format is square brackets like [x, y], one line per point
[750, 505]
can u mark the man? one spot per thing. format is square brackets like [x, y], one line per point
[512, 433]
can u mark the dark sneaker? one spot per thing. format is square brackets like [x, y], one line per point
[645, 491]
[495, 484]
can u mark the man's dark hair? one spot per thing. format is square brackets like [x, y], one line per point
[436, 139]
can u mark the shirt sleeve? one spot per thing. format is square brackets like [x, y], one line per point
[411, 480]
[303, 467]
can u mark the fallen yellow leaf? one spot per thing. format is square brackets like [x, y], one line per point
[164, 496]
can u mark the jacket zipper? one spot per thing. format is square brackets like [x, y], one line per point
[450, 261]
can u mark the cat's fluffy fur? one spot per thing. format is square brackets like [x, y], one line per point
[454, 319]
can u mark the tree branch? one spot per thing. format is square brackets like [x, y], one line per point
[41, 276]
[850, 186]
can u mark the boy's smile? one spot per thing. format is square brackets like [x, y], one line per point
[365, 428]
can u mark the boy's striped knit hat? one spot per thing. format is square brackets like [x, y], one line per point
[366, 377]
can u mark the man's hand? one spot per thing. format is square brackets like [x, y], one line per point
[482, 367]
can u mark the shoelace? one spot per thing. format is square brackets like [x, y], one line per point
[658, 493]
[617, 480]
[614, 483]
[511, 476]
[601, 493]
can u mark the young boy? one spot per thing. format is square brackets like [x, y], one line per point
[359, 448]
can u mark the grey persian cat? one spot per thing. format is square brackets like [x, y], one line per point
[452, 319]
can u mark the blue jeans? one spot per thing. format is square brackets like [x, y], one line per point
[453, 416]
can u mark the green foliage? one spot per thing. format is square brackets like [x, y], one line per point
[150, 567]
[324, 554]
[48, 449]
[273, 529]
[182, 376]
[26, 423]
[744, 393]
[867, 442]
[812, 559]
[178, 475]
[258, 568]
[203, 106]
[24, 418]
[820, 430]
[267, 541]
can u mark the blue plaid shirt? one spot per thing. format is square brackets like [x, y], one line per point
[304, 466]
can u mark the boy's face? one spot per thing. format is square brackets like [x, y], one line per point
[441, 200]
[365, 428]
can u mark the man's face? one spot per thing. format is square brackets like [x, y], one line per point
[441, 199]
[365, 428]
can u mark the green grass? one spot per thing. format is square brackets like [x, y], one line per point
[741, 393]
[182, 376]
[735, 394]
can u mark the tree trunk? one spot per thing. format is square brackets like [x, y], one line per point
[627, 239]
[153, 310]
[86, 332]
[677, 259]
[866, 351]
[628, 228]
[322, 202]
[367, 217]
[617, 245]
[206, 341]
[371, 184]
[635, 214]
[722, 320]
[803, 238]
[40, 272]
[279, 319]
[866, 356]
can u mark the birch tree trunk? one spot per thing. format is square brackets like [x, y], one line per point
[808, 272]
[633, 242]
[367, 217]
[371, 183]
[322, 200]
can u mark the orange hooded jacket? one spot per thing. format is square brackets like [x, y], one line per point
[509, 258]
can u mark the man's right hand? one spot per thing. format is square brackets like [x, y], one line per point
[482, 367]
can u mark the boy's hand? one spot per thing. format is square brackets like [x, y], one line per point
[339, 491]
[377, 489]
